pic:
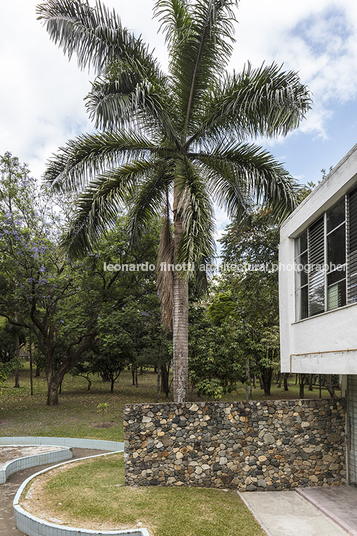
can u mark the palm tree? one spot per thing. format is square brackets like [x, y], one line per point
[171, 144]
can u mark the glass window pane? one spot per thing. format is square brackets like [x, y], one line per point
[304, 303]
[316, 243]
[352, 290]
[336, 215]
[304, 272]
[332, 297]
[336, 295]
[301, 304]
[317, 293]
[336, 247]
[301, 272]
[337, 275]
[301, 244]
[303, 241]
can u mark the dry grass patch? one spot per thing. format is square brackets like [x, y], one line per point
[91, 494]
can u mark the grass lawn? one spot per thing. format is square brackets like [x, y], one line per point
[71, 496]
[77, 415]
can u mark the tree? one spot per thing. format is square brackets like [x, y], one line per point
[250, 249]
[41, 289]
[171, 143]
[216, 352]
[128, 327]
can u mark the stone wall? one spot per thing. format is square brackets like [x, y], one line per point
[270, 445]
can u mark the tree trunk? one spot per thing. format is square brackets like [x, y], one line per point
[261, 379]
[330, 387]
[17, 379]
[158, 389]
[247, 387]
[310, 384]
[267, 377]
[133, 369]
[52, 390]
[180, 327]
[165, 371]
[112, 385]
[17, 371]
[31, 372]
[320, 386]
[301, 384]
[286, 376]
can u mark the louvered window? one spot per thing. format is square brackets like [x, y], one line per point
[316, 276]
[326, 260]
[352, 248]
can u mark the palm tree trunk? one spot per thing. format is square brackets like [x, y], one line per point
[180, 338]
[180, 323]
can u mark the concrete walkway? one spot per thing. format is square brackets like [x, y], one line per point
[286, 513]
[339, 503]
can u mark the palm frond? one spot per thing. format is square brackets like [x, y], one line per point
[91, 154]
[110, 103]
[195, 210]
[198, 35]
[265, 101]
[149, 197]
[127, 102]
[243, 175]
[99, 205]
[95, 34]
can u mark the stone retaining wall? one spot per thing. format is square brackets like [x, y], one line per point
[270, 445]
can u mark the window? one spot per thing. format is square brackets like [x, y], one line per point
[326, 260]
[336, 255]
[352, 248]
[301, 276]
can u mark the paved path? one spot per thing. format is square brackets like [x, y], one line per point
[286, 513]
[339, 503]
[9, 489]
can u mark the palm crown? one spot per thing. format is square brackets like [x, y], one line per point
[179, 140]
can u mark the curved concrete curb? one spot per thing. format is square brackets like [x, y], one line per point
[13, 466]
[34, 526]
[99, 444]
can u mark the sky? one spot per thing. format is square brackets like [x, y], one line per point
[41, 92]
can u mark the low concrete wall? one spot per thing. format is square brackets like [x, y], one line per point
[70, 442]
[32, 525]
[19, 464]
[270, 445]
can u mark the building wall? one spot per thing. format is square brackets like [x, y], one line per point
[270, 445]
[317, 344]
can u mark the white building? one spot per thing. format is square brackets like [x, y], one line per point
[318, 287]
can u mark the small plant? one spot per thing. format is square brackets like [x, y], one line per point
[103, 409]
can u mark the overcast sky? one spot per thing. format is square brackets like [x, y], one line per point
[41, 93]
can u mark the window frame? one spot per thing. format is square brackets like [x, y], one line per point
[342, 295]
